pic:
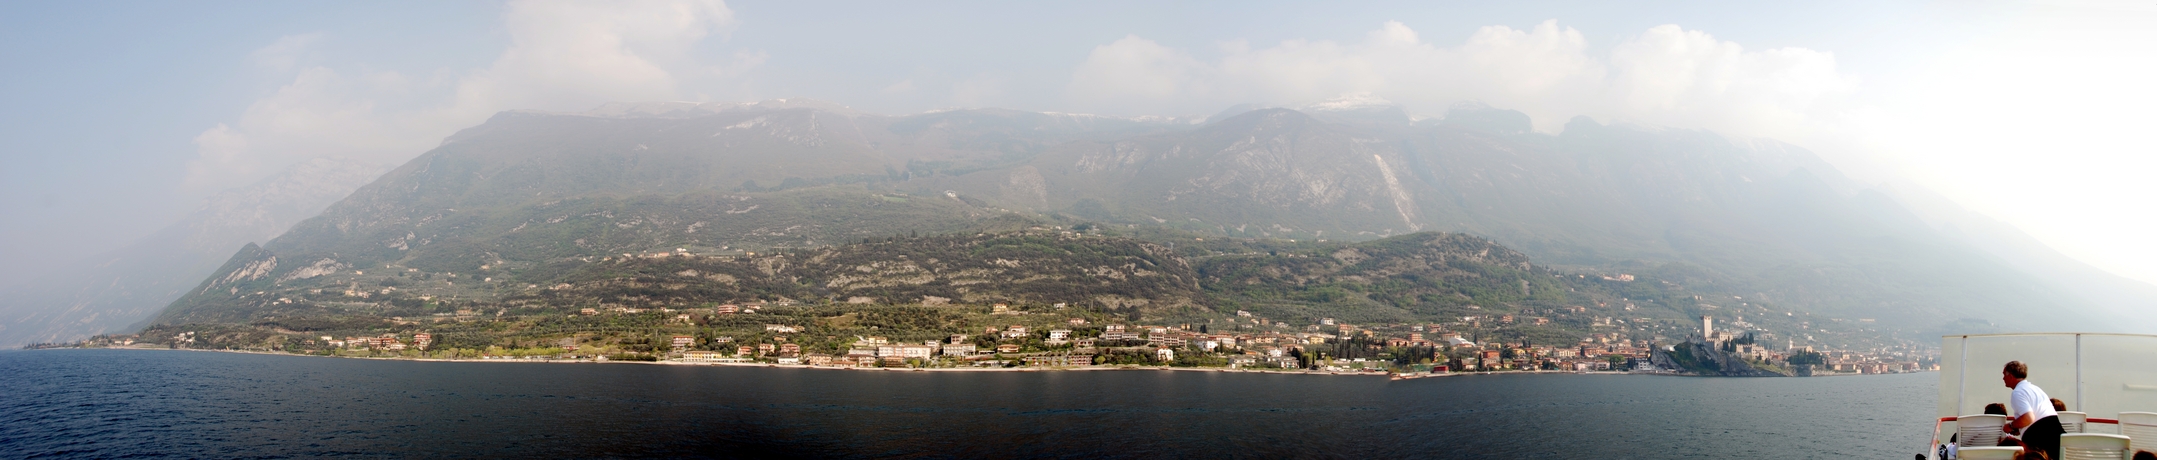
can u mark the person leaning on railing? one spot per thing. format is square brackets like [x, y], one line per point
[2031, 416]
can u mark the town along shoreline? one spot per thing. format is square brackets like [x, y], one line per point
[1100, 368]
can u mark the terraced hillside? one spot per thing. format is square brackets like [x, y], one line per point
[920, 288]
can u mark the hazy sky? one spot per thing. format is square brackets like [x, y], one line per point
[120, 116]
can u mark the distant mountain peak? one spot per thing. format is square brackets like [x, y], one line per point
[1235, 110]
[1359, 108]
[684, 109]
[1266, 118]
[1470, 104]
[1478, 116]
[1159, 119]
[1351, 102]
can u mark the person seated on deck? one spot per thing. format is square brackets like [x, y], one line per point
[2007, 440]
[2002, 411]
[2031, 415]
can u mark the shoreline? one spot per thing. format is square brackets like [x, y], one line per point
[771, 365]
[1388, 375]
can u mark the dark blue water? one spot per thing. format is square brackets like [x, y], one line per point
[129, 403]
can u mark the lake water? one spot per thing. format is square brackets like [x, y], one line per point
[136, 403]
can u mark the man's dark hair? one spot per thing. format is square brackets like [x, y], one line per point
[2015, 368]
[2059, 405]
[2145, 455]
[1995, 409]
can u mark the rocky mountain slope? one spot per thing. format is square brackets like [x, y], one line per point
[1271, 172]
[1746, 229]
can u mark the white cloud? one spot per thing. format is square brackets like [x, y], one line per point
[578, 55]
[1688, 78]
[562, 56]
[1666, 75]
[284, 53]
[902, 87]
[321, 113]
[1135, 72]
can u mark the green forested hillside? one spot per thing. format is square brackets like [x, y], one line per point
[929, 287]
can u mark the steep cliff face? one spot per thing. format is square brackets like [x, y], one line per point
[1258, 173]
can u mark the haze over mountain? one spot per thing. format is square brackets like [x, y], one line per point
[1757, 228]
[126, 285]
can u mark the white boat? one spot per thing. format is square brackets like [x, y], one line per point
[2108, 381]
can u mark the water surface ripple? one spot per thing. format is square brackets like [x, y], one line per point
[135, 403]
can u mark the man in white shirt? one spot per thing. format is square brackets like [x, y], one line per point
[2030, 412]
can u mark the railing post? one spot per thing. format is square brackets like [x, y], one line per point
[1962, 385]
[2078, 375]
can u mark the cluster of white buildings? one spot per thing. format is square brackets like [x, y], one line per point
[382, 342]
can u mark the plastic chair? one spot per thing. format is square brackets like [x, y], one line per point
[2073, 422]
[1978, 430]
[2142, 427]
[1988, 453]
[2092, 446]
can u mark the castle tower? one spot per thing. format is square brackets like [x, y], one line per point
[1707, 327]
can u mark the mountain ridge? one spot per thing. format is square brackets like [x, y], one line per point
[1765, 227]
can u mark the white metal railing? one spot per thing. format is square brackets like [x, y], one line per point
[2100, 375]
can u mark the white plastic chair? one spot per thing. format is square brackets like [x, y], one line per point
[1988, 453]
[2072, 422]
[1978, 430]
[2142, 427]
[2092, 446]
